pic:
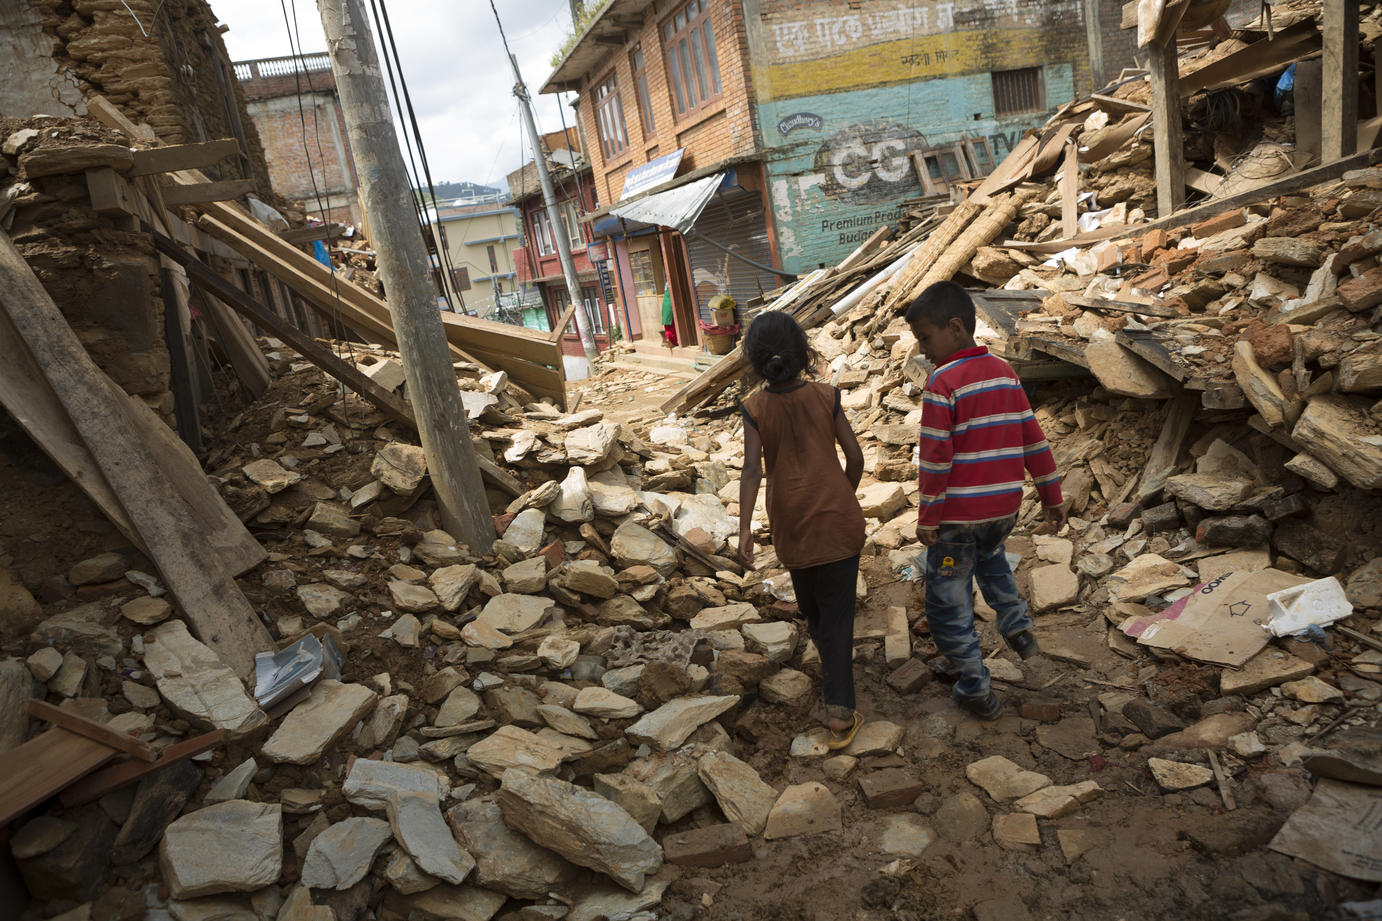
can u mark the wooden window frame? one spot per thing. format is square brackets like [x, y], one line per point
[610, 124]
[542, 233]
[640, 259]
[692, 60]
[638, 66]
[1018, 91]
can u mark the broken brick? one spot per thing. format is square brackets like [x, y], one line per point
[890, 788]
[908, 677]
[1040, 709]
[712, 846]
[1361, 293]
[1218, 224]
[1124, 514]
[1152, 241]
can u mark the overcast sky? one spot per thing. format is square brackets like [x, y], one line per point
[461, 84]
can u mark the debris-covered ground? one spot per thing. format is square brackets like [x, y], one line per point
[609, 643]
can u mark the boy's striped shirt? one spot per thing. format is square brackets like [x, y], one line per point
[978, 436]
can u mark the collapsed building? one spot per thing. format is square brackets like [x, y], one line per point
[604, 715]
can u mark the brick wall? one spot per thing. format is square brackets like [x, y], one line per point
[325, 155]
[723, 129]
[845, 92]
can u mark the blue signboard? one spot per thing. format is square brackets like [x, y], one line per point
[651, 173]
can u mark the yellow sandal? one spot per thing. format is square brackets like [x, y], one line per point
[839, 740]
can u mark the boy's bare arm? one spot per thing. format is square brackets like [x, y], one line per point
[750, 478]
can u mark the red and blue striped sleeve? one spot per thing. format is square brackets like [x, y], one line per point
[935, 453]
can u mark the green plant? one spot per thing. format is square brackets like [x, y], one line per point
[583, 20]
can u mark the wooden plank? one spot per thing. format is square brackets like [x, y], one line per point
[101, 109]
[205, 278]
[43, 766]
[109, 192]
[1052, 146]
[1339, 116]
[246, 358]
[1115, 104]
[202, 192]
[1166, 128]
[1180, 412]
[1070, 190]
[97, 732]
[1069, 350]
[473, 334]
[94, 786]
[563, 321]
[387, 402]
[1097, 303]
[208, 597]
[301, 235]
[183, 156]
[1267, 55]
[1303, 180]
[31, 402]
[181, 360]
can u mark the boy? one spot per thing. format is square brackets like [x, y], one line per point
[977, 435]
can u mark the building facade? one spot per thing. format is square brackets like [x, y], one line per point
[666, 102]
[479, 237]
[283, 94]
[821, 118]
[536, 258]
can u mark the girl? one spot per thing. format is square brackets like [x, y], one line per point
[818, 528]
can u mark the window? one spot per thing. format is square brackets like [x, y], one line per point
[693, 68]
[572, 222]
[542, 233]
[609, 118]
[1016, 91]
[590, 296]
[493, 260]
[641, 263]
[640, 91]
[442, 230]
[461, 278]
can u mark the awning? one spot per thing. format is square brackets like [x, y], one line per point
[676, 208]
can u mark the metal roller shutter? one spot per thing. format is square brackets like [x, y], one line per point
[734, 219]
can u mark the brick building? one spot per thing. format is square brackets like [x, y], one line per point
[666, 108]
[536, 259]
[810, 112]
[283, 94]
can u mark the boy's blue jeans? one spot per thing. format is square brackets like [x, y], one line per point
[965, 554]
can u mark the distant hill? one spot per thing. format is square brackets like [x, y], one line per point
[450, 191]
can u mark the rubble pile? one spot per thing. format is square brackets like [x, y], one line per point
[591, 718]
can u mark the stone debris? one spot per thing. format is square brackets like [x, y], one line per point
[583, 827]
[235, 846]
[607, 676]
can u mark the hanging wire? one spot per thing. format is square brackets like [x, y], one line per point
[345, 350]
[400, 101]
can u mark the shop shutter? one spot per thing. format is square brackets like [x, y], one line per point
[734, 219]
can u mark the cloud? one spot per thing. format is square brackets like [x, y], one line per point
[458, 76]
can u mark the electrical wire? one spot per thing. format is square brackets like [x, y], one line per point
[347, 351]
[444, 255]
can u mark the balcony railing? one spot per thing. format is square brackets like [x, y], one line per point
[279, 67]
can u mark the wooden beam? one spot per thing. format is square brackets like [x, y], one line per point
[302, 235]
[94, 786]
[389, 403]
[1180, 412]
[1339, 115]
[202, 192]
[43, 766]
[208, 597]
[97, 732]
[183, 156]
[1070, 190]
[1327, 172]
[1166, 128]
[181, 357]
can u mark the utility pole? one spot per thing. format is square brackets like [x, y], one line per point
[549, 195]
[387, 199]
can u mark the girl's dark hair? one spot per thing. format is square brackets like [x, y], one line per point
[777, 347]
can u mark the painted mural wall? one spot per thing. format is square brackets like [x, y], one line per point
[847, 91]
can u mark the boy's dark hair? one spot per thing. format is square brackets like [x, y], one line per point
[941, 302]
[777, 347]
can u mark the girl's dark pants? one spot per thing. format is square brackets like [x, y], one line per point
[825, 595]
